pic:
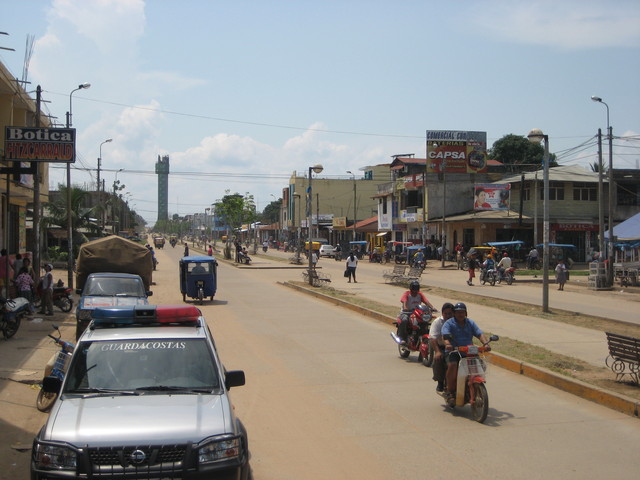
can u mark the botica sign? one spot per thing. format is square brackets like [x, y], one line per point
[29, 144]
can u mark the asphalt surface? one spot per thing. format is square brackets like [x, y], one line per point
[582, 343]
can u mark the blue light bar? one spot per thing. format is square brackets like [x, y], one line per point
[145, 315]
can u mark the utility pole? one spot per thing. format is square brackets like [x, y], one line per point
[36, 196]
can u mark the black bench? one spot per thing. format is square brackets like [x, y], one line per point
[317, 279]
[624, 357]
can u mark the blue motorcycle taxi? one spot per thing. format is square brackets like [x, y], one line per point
[198, 277]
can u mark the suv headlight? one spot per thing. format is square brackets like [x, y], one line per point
[84, 315]
[220, 449]
[55, 457]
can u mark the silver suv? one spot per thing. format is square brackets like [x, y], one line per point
[145, 396]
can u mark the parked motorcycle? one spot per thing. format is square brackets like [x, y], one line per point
[56, 367]
[12, 313]
[471, 380]
[418, 339]
[61, 297]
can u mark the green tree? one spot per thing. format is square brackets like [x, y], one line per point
[517, 153]
[271, 213]
[82, 217]
[235, 209]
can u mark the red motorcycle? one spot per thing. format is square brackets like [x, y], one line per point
[61, 297]
[418, 338]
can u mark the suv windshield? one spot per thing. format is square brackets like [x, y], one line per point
[149, 365]
[114, 286]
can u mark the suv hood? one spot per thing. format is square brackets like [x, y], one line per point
[138, 419]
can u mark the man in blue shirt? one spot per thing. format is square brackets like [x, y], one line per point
[458, 332]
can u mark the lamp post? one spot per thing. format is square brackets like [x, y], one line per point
[536, 136]
[444, 206]
[98, 177]
[354, 205]
[69, 215]
[317, 169]
[611, 238]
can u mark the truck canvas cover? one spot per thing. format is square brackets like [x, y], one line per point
[114, 254]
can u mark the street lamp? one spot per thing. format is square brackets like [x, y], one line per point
[354, 205]
[69, 215]
[610, 244]
[444, 204]
[98, 177]
[299, 225]
[536, 136]
[317, 169]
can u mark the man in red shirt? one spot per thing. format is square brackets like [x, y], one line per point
[410, 300]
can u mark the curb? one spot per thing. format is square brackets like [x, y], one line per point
[620, 403]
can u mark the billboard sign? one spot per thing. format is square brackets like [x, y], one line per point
[491, 196]
[33, 144]
[459, 151]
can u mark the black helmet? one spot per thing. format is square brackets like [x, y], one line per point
[447, 305]
[459, 306]
[414, 285]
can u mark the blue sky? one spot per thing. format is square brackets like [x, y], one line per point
[241, 94]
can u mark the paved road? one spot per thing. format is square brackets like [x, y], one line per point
[328, 397]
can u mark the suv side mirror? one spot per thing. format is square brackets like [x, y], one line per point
[234, 378]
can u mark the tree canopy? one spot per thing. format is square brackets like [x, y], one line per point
[271, 213]
[517, 153]
[235, 209]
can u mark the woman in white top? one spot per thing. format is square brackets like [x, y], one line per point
[352, 263]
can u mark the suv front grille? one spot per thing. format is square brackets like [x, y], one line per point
[165, 459]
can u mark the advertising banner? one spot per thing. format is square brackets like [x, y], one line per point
[458, 151]
[491, 196]
[32, 144]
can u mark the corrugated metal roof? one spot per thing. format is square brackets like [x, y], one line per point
[565, 173]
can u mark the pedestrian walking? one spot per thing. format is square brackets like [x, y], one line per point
[561, 274]
[352, 263]
[186, 249]
[314, 259]
[473, 264]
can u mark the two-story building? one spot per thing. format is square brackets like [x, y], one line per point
[18, 109]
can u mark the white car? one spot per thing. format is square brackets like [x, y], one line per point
[145, 396]
[327, 251]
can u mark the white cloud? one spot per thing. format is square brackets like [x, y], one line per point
[111, 24]
[566, 24]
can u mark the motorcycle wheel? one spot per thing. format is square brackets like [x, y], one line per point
[480, 406]
[65, 304]
[428, 360]
[45, 400]
[509, 279]
[200, 296]
[492, 280]
[10, 327]
[483, 279]
[403, 351]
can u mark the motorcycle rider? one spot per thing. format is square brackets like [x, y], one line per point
[458, 332]
[488, 264]
[437, 344]
[503, 265]
[410, 300]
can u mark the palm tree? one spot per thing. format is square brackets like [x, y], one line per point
[80, 215]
